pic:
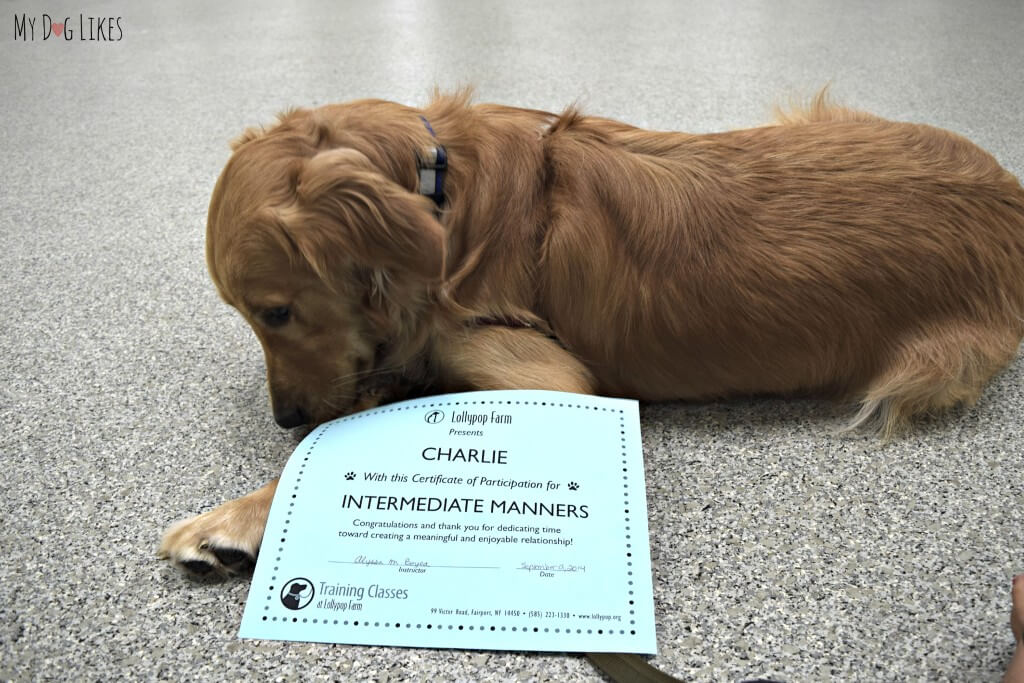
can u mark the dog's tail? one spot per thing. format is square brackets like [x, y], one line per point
[933, 373]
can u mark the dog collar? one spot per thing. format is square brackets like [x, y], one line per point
[432, 165]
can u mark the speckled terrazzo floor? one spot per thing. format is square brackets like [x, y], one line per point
[130, 396]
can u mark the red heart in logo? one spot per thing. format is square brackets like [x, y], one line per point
[58, 29]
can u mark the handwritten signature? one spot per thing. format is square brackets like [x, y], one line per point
[363, 559]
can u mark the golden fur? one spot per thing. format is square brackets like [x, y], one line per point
[833, 253]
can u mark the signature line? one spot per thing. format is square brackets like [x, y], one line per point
[432, 566]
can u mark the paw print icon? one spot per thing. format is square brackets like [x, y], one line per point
[573, 486]
[350, 476]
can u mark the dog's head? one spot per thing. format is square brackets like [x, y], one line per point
[315, 234]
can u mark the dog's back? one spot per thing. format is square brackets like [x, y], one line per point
[836, 252]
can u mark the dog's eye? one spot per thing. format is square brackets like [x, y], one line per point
[277, 316]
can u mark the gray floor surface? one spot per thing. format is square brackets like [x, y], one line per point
[131, 397]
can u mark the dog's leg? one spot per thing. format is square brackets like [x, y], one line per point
[227, 539]
[496, 357]
[934, 371]
[224, 540]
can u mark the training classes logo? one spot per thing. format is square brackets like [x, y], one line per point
[297, 593]
[29, 28]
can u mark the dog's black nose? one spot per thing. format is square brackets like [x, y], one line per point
[287, 419]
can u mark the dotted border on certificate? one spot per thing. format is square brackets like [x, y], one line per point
[319, 433]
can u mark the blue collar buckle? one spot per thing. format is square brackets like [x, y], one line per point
[432, 165]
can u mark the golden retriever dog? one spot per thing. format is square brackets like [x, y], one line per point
[379, 250]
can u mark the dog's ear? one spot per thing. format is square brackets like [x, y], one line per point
[349, 211]
[248, 135]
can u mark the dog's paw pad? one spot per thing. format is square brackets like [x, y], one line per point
[234, 559]
[197, 567]
[221, 542]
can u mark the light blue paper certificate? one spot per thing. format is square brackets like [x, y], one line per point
[503, 520]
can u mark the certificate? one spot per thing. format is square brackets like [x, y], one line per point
[503, 520]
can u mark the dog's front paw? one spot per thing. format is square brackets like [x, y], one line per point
[223, 541]
[381, 389]
[368, 400]
[212, 543]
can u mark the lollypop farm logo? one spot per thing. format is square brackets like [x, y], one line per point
[29, 27]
